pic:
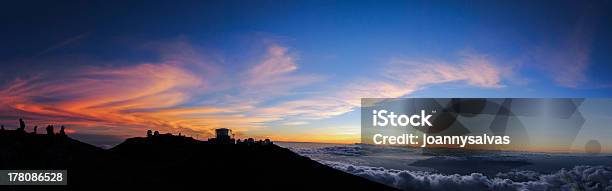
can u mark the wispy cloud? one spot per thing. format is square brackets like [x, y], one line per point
[276, 74]
[64, 43]
[568, 58]
[401, 77]
[180, 91]
[567, 64]
[474, 69]
[276, 64]
[125, 100]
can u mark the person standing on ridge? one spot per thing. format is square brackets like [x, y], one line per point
[62, 132]
[50, 130]
[21, 126]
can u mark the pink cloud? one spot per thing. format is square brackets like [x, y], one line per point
[154, 95]
[165, 94]
[101, 96]
[277, 62]
[474, 69]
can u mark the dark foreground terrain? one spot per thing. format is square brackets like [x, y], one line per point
[171, 163]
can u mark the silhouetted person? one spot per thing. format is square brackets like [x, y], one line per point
[35, 128]
[149, 133]
[156, 133]
[50, 130]
[21, 126]
[62, 132]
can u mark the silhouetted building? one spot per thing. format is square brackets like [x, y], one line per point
[251, 141]
[223, 136]
[267, 142]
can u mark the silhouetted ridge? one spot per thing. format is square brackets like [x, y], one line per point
[169, 162]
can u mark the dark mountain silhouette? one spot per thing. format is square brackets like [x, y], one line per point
[170, 163]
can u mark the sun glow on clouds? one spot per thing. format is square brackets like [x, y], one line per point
[165, 95]
[101, 96]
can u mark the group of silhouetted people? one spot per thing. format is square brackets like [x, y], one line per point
[22, 126]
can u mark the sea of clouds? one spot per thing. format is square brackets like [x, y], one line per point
[357, 160]
[578, 178]
[338, 150]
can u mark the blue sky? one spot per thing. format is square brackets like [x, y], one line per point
[290, 70]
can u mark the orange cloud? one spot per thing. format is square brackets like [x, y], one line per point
[180, 93]
[158, 95]
[101, 96]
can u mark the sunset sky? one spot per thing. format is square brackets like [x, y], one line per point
[286, 70]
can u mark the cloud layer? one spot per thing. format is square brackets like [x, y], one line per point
[578, 178]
